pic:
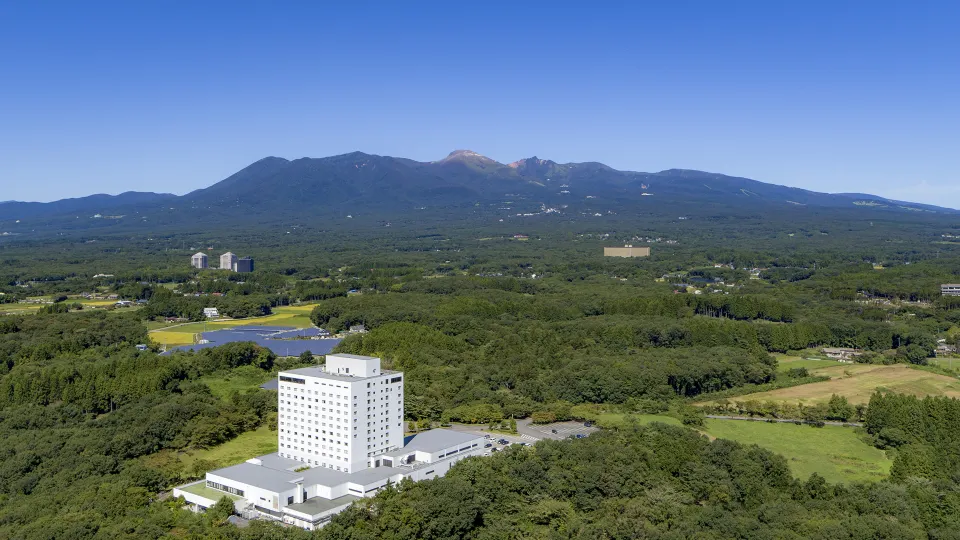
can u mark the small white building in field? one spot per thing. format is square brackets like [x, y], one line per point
[210, 312]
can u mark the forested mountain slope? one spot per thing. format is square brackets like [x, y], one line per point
[461, 186]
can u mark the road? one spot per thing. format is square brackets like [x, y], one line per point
[780, 420]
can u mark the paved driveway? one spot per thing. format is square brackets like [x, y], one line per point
[529, 432]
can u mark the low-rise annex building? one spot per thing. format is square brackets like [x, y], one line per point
[950, 289]
[627, 251]
[340, 435]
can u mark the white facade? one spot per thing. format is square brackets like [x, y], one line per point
[342, 416]
[228, 261]
[950, 289]
[340, 432]
[198, 260]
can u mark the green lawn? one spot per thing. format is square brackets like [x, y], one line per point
[210, 493]
[833, 452]
[262, 440]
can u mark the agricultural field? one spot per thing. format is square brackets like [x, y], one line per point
[857, 382]
[93, 303]
[835, 453]
[172, 338]
[19, 309]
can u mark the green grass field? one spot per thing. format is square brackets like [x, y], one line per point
[786, 363]
[835, 453]
[258, 442]
[947, 363]
[240, 380]
[195, 463]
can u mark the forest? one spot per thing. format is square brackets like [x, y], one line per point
[486, 328]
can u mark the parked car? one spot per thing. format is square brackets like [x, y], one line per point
[488, 445]
[488, 436]
[503, 441]
[494, 449]
[553, 431]
[580, 435]
[588, 424]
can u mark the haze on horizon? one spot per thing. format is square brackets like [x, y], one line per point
[833, 97]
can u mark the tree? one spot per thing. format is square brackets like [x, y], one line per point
[691, 416]
[838, 408]
[306, 357]
[221, 510]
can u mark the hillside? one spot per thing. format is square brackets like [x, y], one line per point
[383, 187]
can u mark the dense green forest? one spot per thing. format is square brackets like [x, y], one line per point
[487, 327]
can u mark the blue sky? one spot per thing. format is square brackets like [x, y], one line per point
[174, 96]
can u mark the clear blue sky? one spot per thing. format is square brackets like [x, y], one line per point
[173, 96]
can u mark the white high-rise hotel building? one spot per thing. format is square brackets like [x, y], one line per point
[228, 261]
[341, 439]
[342, 417]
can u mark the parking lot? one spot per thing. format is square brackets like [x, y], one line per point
[562, 430]
[528, 432]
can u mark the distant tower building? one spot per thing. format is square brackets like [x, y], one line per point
[244, 264]
[228, 261]
[199, 260]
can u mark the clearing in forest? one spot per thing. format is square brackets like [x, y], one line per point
[835, 453]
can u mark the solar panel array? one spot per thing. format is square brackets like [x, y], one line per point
[282, 340]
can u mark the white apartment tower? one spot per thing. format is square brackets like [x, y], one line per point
[198, 260]
[228, 261]
[342, 416]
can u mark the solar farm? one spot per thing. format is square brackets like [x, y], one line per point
[283, 341]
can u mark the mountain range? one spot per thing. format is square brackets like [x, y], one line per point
[359, 184]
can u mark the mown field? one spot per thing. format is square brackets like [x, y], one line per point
[836, 453]
[857, 382]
